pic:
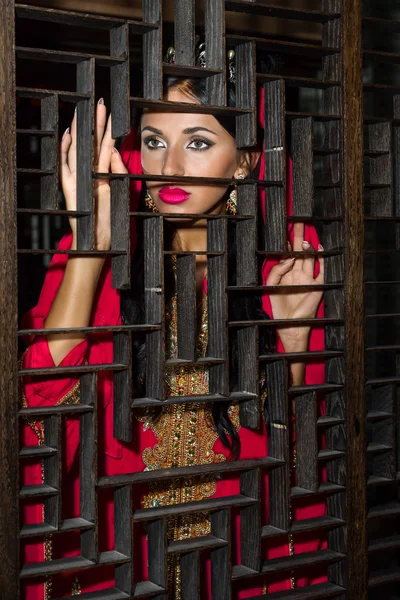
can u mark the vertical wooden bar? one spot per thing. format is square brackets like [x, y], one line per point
[52, 470]
[186, 304]
[190, 575]
[154, 305]
[9, 528]
[278, 443]
[49, 152]
[275, 165]
[306, 442]
[84, 150]
[119, 75]
[152, 51]
[123, 387]
[184, 32]
[250, 521]
[354, 300]
[88, 465]
[214, 21]
[217, 237]
[120, 233]
[220, 557]
[303, 175]
[123, 528]
[246, 236]
[247, 338]
[246, 125]
[157, 549]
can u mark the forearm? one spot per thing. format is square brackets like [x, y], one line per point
[73, 303]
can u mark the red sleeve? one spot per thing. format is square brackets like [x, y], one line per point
[106, 311]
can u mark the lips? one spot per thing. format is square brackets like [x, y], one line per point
[173, 195]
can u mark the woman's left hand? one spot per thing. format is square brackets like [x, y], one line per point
[293, 304]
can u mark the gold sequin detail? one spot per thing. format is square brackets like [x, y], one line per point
[76, 588]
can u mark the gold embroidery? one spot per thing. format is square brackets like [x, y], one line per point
[185, 436]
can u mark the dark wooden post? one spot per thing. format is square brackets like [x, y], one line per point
[354, 301]
[9, 541]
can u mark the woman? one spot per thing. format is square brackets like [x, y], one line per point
[78, 292]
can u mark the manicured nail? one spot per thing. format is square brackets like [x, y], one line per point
[305, 243]
[65, 133]
[115, 150]
[76, 108]
[320, 247]
[101, 101]
[287, 260]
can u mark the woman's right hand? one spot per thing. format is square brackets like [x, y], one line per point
[105, 156]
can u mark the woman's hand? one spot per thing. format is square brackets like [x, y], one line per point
[105, 156]
[292, 304]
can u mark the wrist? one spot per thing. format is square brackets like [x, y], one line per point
[294, 343]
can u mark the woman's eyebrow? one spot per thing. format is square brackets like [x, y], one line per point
[191, 130]
[152, 129]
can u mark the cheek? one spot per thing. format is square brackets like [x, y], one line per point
[212, 164]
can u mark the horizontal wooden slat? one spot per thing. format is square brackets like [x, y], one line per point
[60, 56]
[188, 107]
[26, 92]
[315, 524]
[40, 529]
[152, 402]
[37, 490]
[318, 591]
[37, 451]
[91, 330]
[382, 544]
[204, 542]
[164, 474]
[282, 12]
[62, 409]
[301, 49]
[159, 512]
[73, 370]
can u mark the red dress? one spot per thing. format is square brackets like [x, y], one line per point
[115, 457]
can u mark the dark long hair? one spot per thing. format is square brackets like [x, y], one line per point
[241, 307]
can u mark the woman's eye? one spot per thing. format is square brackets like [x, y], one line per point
[153, 143]
[200, 144]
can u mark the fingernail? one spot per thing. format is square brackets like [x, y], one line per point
[289, 259]
[320, 247]
[305, 243]
[114, 150]
[101, 101]
[76, 108]
[65, 133]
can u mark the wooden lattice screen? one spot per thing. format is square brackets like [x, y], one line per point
[361, 389]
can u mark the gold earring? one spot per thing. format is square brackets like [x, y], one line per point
[231, 204]
[150, 202]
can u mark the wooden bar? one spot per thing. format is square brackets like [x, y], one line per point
[306, 442]
[303, 174]
[217, 240]
[9, 526]
[52, 470]
[278, 444]
[214, 20]
[49, 153]
[120, 233]
[220, 557]
[154, 305]
[119, 75]
[186, 306]
[152, 51]
[88, 465]
[190, 575]
[275, 165]
[123, 535]
[245, 70]
[123, 388]
[248, 375]
[354, 300]
[84, 154]
[184, 32]
[250, 521]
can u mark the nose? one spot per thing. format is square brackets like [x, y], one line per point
[173, 163]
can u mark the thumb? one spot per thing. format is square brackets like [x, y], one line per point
[117, 164]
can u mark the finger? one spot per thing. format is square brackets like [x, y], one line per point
[320, 277]
[64, 147]
[101, 118]
[107, 144]
[117, 164]
[298, 230]
[289, 246]
[279, 270]
[308, 261]
[72, 149]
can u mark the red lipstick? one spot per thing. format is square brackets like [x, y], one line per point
[173, 195]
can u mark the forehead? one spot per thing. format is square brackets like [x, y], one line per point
[177, 122]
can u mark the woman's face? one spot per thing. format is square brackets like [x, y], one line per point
[187, 145]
